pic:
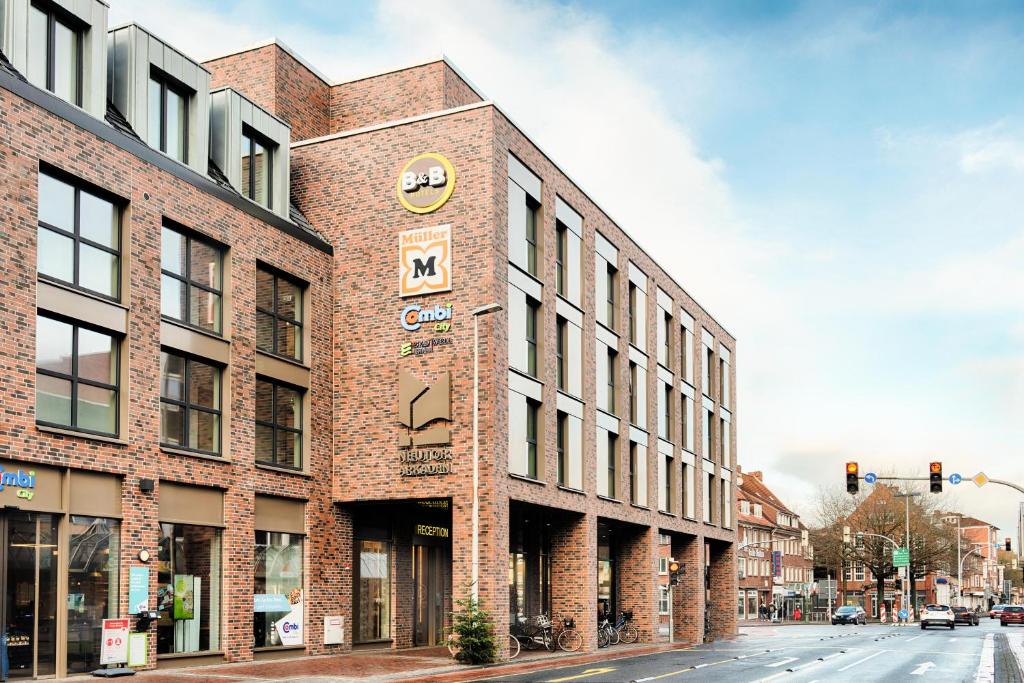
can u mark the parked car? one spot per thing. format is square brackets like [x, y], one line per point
[962, 615]
[996, 611]
[1011, 614]
[937, 615]
[850, 614]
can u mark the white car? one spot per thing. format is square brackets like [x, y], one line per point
[937, 615]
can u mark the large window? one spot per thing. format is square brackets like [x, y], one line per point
[610, 284]
[94, 558]
[561, 339]
[190, 284]
[665, 411]
[373, 578]
[278, 424]
[168, 117]
[76, 377]
[613, 458]
[561, 249]
[257, 157]
[278, 314]
[610, 407]
[531, 236]
[532, 410]
[190, 403]
[277, 604]
[632, 473]
[188, 593]
[54, 53]
[532, 323]
[560, 446]
[79, 237]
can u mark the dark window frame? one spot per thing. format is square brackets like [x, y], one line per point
[275, 428]
[298, 323]
[631, 312]
[532, 441]
[669, 501]
[187, 406]
[610, 281]
[561, 251]
[633, 398]
[76, 380]
[561, 347]
[252, 137]
[561, 445]
[632, 471]
[613, 470]
[532, 329]
[531, 235]
[79, 186]
[612, 365]
[55, 14]
[167, 83]
[191, 236]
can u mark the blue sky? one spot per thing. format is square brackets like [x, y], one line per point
[839, 183]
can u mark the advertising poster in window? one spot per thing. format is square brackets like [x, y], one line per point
[289, 627]
[184, 596]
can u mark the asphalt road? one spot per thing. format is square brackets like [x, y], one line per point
[809, 654]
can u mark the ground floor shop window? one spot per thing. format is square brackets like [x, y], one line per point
[95, 545]
[529, 567]
[277, 601]
[29, 600]
[374, 592]
[606, 597]
[752, 604]
[189, 575]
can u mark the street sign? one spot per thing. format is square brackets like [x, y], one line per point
[777, 563]
[870, 478]
[955, 479]
[901, 557]
[902, 614]
[980, 479]
[114, 643]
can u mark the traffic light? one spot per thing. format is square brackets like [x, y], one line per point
[860, 540]
[935, 477]
[675, 572]
[852, 478]
[1007, 545]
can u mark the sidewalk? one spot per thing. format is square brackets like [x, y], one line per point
[417, 664]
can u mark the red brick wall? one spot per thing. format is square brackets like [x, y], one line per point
[395, 95]
[29, 135]
[250, 73]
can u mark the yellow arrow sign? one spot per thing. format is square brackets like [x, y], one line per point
[980, 479]
[585, 674]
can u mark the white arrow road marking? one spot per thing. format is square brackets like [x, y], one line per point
[987, 666]
[861, 661]
[816, 662]
[922, 668]
[787, 660]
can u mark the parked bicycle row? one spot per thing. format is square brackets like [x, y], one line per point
[539, 632]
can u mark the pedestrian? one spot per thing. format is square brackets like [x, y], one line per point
[797, 614]
[762, 612]
[771, 612]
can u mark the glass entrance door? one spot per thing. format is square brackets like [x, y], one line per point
[28, 602]
[429, 573]
[372, 588]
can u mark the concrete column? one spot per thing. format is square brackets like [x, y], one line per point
[638, 578]
[723, 588]
[688, 597]
[574, 575]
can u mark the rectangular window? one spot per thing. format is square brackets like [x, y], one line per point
[684, 424]
[706, 369]
[665, 339]
[278, 424]
[93, 580]
[190, 403]
[532, 322]
[686, 494]
[665, 412]
[723, 382]
[188, 575]
[686, 369]
[561, 251]
[613, 456]
[663, 600]
[560, 447]
[190, 282]
[709, 491]
[77, 377]
[561, 340]
[168, 117]
[257, 162]
[278, 314]
[709, 417]
[54, 53]
[632, 473]
[723, 442]
[610, 286]
[726, 500]
[532, 410]
[277, 588]
[611, 380]
[667, 499]
[531, 236]
[663, 565]
[633, 398]
[79, 237]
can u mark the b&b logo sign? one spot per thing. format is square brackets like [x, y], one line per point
[425, 261]
[426, 183]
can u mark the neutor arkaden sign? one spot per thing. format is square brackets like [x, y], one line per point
[426, 182]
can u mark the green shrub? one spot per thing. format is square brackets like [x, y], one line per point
[474, 629]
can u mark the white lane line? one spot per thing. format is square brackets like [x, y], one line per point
[861, 661]
[987, 665]
[1016, 647]
[795, 669]
[787, 660]
[915, 638]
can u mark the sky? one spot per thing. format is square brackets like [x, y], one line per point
[839, 184]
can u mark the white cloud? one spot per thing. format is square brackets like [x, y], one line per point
[990, 148]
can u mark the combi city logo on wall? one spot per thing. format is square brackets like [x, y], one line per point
[24, 481]
[415, 316]
[426, 182]
[425, 261]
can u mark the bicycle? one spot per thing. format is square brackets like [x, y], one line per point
[452, 641]
[625, 630]
[606, 633]
[534, 633]
[569, 639]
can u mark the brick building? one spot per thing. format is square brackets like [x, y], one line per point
[766, 526]
[254, 381]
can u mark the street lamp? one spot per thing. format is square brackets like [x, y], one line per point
[477, 314]
[906, 585]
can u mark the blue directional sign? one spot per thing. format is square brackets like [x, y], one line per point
[955, 479]
[870, 478]
[902, 614]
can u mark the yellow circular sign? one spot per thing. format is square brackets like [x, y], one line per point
[425, 183]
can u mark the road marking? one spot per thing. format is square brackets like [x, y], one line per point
[585, 674]
[987, 664]
[861, 661]
[1016, 647]
[922, 668]
[915, 637]
[816, 662]
[787, 660]
[681, 671]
